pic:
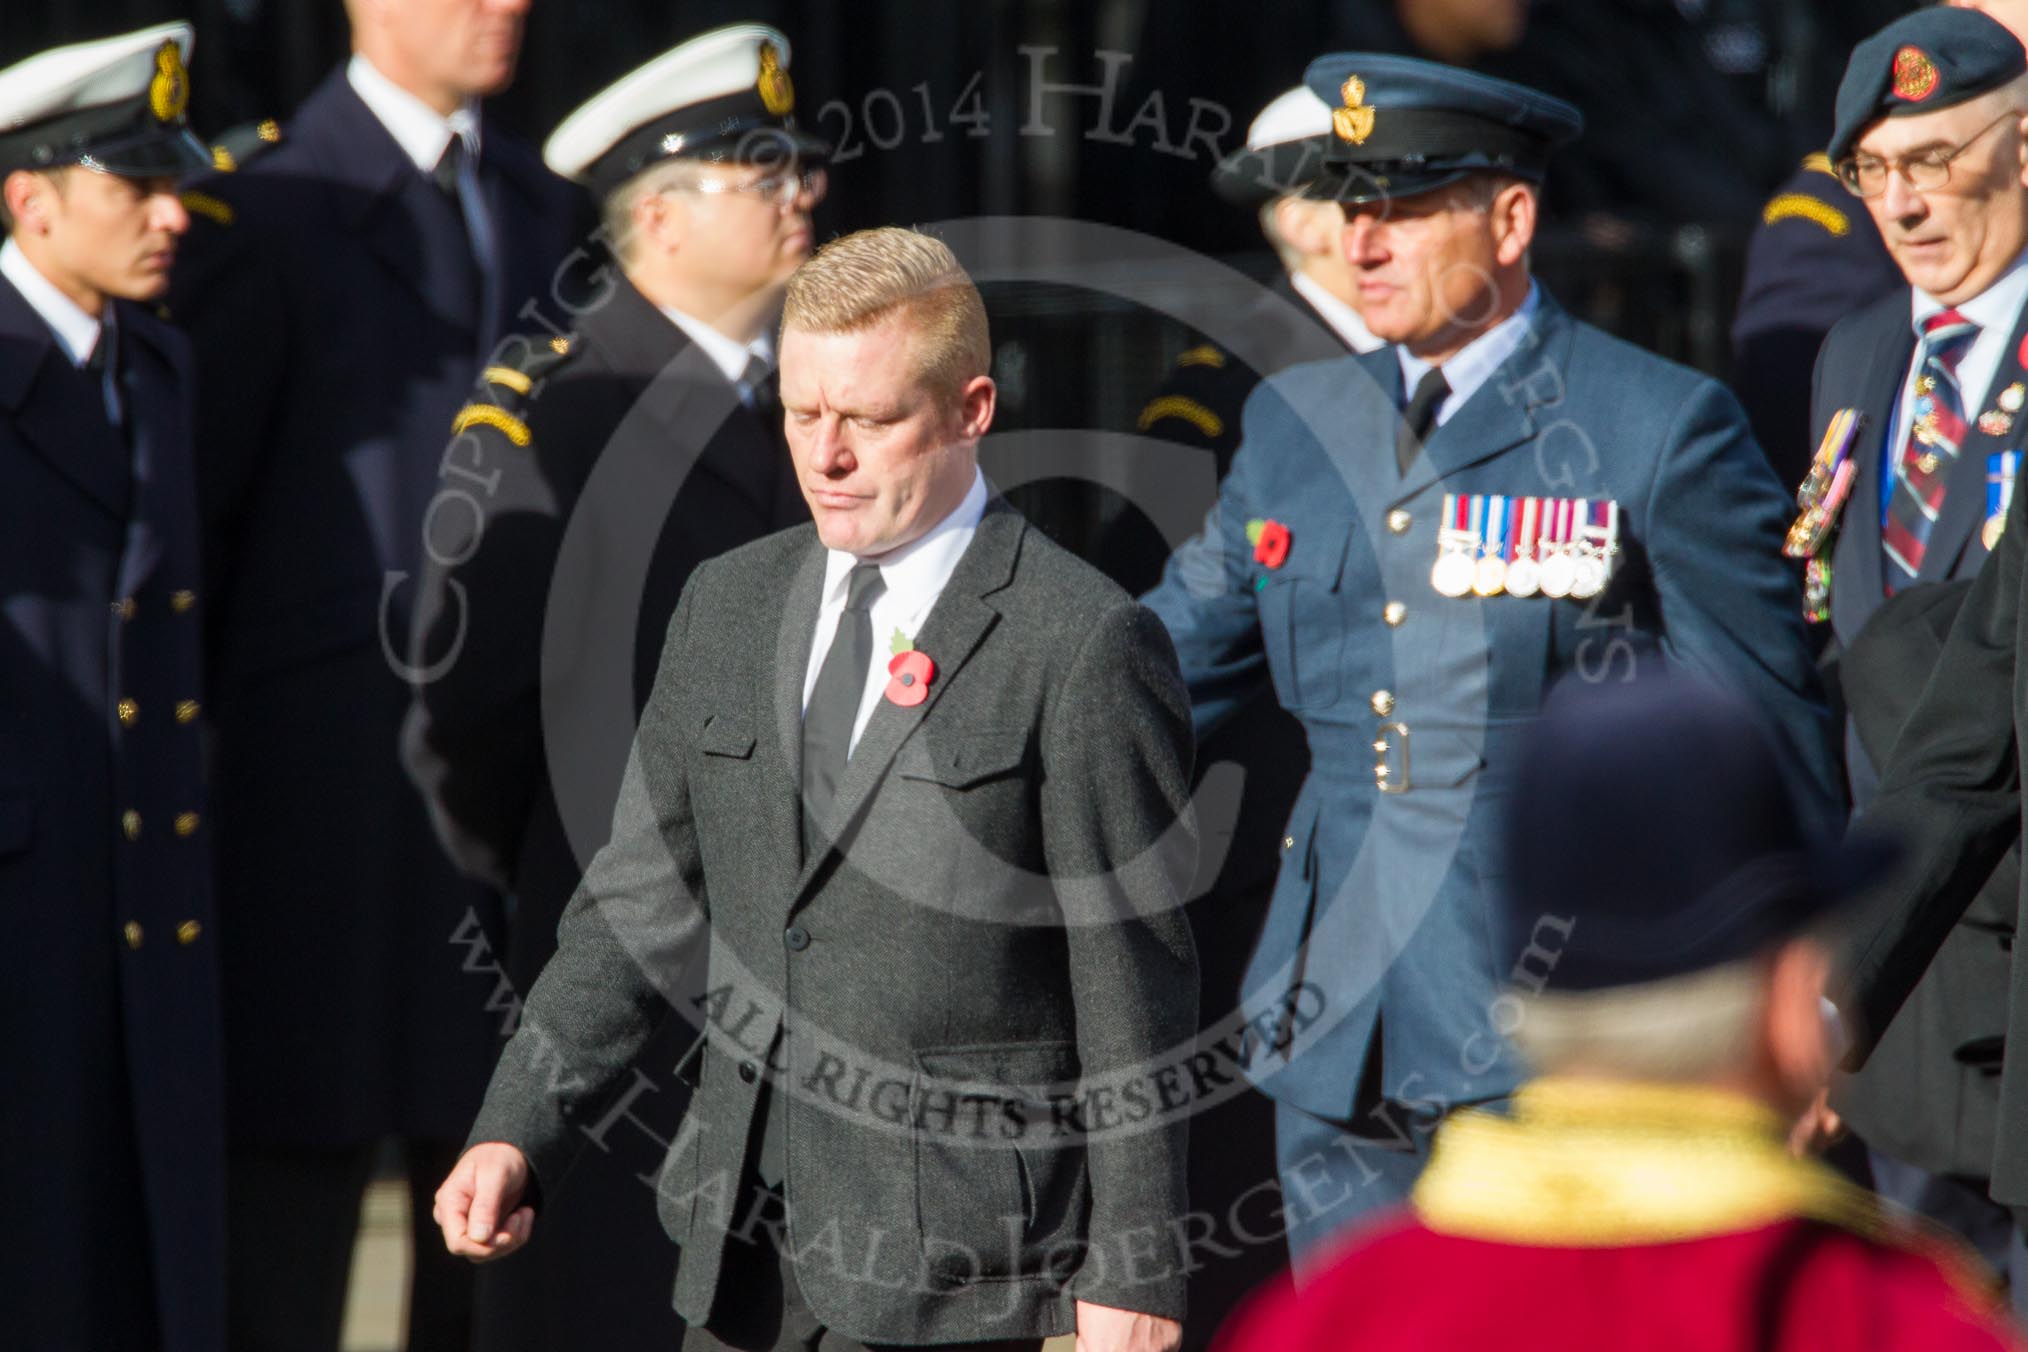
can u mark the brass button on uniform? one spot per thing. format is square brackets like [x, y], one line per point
[1383, 702]
[1288, 842]
[1394, 613]
[186, 711]
[133, 932]
[748, 1072]
[130, 822]
[186, 824]
[180, 601]
[130, 713]
[1399, 521]
[187, 932]
[125, 607]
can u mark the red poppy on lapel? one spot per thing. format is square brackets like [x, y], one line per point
[908, 677]
[1271, 550]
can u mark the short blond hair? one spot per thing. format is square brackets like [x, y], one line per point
[860, 281]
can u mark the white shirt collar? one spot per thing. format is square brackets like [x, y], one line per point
[77, 333]
[916, 573]
[1995, 307]
[727, 354]
[1336, 313]
[1475, 362]
[420, 131]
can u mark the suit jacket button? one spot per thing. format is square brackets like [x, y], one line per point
[748, 1072]
[797, 938]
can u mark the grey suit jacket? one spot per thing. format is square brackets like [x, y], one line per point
[971, 1006]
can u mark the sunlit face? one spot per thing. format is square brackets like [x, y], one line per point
[458, 48]
[739, 233]
[2013, 14]
[1424, 267]
[881, 455]
[97, 235]
[1953, 240]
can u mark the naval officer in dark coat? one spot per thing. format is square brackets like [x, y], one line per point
[606, 472]
[114, 1170]
[342, 293]
[1411, 548]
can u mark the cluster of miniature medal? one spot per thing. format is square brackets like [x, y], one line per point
[1489, 543]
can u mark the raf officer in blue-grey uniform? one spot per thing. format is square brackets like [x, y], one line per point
[344, 291]
[1411, 548]
[110, 1101]
[1923, 392]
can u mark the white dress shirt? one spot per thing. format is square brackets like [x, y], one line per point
[77, 333]
[1474, 363]
[727, 354]
[914, 576]
[1336, 313]
[1994, 310]
[423, 135]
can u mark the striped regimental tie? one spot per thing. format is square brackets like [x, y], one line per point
[1934, 436]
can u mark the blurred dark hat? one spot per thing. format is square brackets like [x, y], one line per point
[115, 104]
[1653, 833]
[1920, 63]
[1284, 150]
[724, 95]
[1403, 126]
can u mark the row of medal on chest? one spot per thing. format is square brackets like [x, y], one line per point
[1489, 543]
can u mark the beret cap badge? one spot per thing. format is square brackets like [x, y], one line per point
[1915, 75]
[1353, 122]
[778, 94]
[169, 91]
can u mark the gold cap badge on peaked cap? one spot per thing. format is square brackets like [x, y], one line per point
[1353, 122]
[1915, 75]
[778, 93]
[169, 91]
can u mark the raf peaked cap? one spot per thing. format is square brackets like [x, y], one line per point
[1402, 126]
[1654, 836]
[1921, 62]
[724, 95]
[1284, 150]
[116, 104]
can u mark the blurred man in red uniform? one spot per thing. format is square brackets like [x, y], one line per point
[1667, 986]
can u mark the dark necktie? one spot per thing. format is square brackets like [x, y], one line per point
[1420, 416]
[1923, 469]
[759, 388]
[102, 369]
[445, 175]
[834, 705]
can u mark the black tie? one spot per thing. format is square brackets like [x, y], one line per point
[759, 389]
[834, 704]
[96, 368]
[1420, 416]
[445, 174]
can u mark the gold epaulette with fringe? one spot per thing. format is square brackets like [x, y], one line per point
[1178, 406]
[491, 415]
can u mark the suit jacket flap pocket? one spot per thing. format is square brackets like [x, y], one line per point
[725, 736]
[1316, 554]
[960, 760]
[1026, 1066]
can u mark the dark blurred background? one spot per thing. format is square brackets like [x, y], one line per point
[1697, 109]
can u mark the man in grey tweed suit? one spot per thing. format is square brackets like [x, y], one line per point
[915, 782]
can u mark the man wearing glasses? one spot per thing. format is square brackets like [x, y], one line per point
[1925, 389]
[609, 463]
